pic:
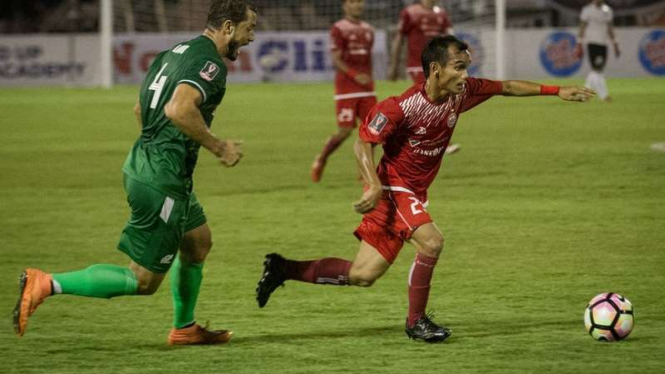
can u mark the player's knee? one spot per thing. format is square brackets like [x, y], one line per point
[197, 251]
[362, 282]
[344, 133]
[433, 246]
[202, 250]
[146, 287]
[362, 278]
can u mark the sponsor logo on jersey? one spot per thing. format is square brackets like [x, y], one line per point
[557, 54]
[166, 259]
[209, 71]
[652, 52]
[421, 130]
[414, 142]
[452, 120]
[430, 152]
[378, 123]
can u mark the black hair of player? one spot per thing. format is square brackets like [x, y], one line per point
[436, 50]
[232, 10]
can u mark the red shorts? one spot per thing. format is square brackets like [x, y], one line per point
[348, 110]
[416, 76]
[393, 221]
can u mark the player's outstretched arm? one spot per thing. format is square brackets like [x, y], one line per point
[365, 159]
[575, 93]
[524, 88]
[183, 111]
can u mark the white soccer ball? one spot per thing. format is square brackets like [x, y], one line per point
[609, 317]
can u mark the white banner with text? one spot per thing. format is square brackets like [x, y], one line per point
[73, 60]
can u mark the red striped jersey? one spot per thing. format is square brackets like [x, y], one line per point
[415, 132]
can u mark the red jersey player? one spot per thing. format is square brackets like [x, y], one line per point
[351, 42]
[419, 23]
[414, 130]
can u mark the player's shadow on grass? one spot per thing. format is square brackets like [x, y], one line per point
[502, 328]
[382, 331]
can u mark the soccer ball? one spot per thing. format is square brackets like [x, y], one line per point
[609, 317]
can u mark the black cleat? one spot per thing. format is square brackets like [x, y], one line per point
[426, 330]
[274, 275]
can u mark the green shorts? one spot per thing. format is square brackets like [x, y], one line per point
[157, 225]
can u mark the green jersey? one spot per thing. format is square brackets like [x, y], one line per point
[164, 157]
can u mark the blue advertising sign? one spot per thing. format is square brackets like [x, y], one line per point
[652, 52]
[557, 54]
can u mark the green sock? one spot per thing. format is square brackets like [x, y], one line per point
[103, 281]
[185, 284]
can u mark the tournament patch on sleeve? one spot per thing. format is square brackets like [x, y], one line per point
[209, 71]
[378, 123]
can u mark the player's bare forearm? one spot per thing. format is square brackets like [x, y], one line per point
[137, 113]
[338, 63]
[184, 113]
[188, 119]
[582, 31]
[520, 88]
[610, 32]
[395, 49]
[365, 158]
[341, 66]
[395, 52]
[524, 88]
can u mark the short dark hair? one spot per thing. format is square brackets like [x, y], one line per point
[232, 10]
[436, 50]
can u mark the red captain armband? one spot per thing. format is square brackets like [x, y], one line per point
[549, 90]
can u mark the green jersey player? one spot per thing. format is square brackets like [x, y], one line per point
[178, 98]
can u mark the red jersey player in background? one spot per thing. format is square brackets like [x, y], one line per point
[351, 42]
[419, 23]
[414, 130]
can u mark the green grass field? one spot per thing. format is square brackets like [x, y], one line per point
[547, 204]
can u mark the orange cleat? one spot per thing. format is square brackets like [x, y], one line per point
[317, 169]
[196, 335]
[35, 286]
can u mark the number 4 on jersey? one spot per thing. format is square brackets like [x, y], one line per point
[157, 85]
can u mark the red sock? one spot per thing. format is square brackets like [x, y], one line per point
[332, 144]
[419, 283]
[323, 271]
